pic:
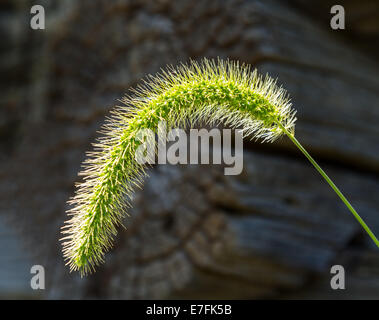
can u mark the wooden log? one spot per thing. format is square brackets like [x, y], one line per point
[193, 232]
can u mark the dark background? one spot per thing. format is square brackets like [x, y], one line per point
[272, 232]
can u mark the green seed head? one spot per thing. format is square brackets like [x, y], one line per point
[212, 92]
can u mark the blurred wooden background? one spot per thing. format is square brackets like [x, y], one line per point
[272, 232]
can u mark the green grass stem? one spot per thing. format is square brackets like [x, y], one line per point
[333, 186]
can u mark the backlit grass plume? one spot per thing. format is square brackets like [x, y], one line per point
[210, 91]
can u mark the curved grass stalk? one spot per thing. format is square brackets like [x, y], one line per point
[210, 91]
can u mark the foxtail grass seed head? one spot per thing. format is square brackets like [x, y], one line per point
[213, 92]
